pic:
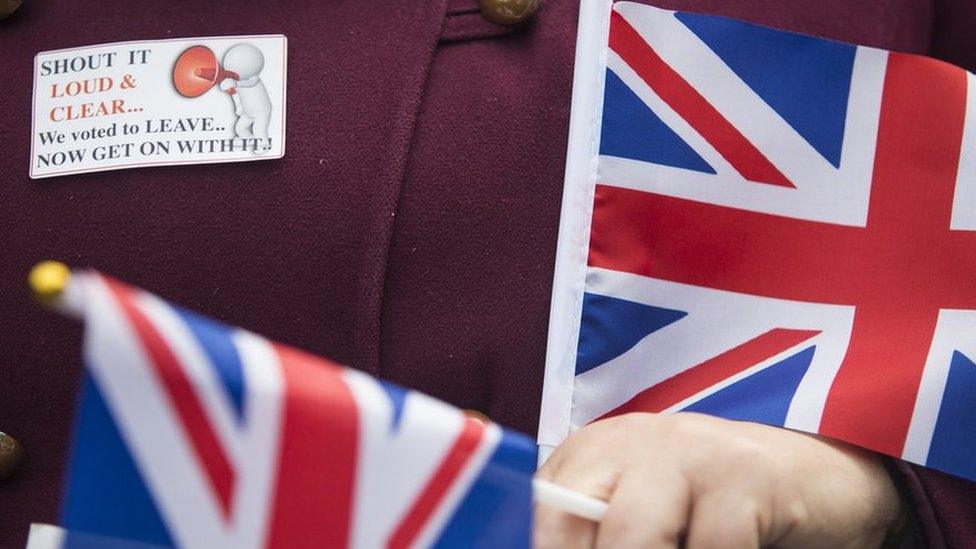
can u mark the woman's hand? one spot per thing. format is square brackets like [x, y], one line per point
[703, 482]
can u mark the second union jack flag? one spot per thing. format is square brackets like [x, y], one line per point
[768, 227]
[191, 433]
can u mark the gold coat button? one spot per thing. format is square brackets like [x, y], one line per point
[11, 454]
[509, 12]
[477, 415]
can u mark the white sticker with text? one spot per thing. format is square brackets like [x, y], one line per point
[150, 103]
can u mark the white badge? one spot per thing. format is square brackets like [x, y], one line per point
[157, 102]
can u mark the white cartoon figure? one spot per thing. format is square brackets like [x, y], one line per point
[251, 102]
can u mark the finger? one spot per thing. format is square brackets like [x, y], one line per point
[720, 520]
[548, 469]
[649, 508]
[556, 528]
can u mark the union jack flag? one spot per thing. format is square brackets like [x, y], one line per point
[194, 434]
[768, 227]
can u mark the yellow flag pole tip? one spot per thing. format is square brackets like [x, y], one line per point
[48, 279]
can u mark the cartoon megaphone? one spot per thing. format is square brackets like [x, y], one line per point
[197, 70]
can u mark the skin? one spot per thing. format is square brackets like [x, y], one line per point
[701, 482]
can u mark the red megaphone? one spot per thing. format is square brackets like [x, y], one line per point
[197, 70]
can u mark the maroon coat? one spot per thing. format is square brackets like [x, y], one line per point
[409, 231]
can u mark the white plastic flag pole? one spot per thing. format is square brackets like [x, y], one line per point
[583, 148]
[568, 501]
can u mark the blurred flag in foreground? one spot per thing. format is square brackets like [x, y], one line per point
[768, 227]
[194, 434]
